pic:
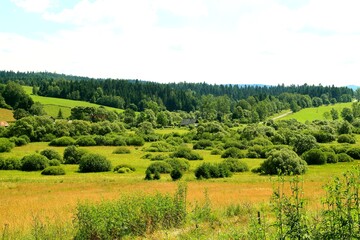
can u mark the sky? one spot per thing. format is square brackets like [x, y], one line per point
[214, 41]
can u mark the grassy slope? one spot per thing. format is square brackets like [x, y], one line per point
[6, 115]
[310, 114]
[52, 105]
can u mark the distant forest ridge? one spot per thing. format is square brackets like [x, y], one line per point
[122, 93]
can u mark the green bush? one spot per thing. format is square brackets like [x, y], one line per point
[175, 141]
[10, 163]
[53, 170]
[176, 163]
[284, 162]
[208, 170]
[48, 137]
[314, 157]
[130, 216]
[62, 141]
[203, 144]
[121, 150]
[85, 141]
[323, 137]
[91, 162]
[216, 151]
[185, 152]
[331, 157]
[54, 162]
[346, 138]
[354, 152]
[51, 154]
[343, 157]
[160, 147]
[73, 154]
[124, 166]
[135, 141]
[6, 145]
[124, 170]
[236, 144]
[34, 162]
[233, 152]
[160, 167]
[18, 141]
[176, 174]
[158, 157]
[236, 165]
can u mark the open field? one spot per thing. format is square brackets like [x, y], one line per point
[52, 105]
[310, 114]
[6, 115]
[28, 195]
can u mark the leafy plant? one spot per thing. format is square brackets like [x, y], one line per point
[34, 162]
[53, 170]
[91, 162]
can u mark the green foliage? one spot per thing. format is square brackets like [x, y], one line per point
[314, 157]
[121, 150]
[54, 163]
[354, 152]
[51, 154]
[284, 162]
[323, 136]
[135, 141]
[216, 151]
[73, 154]
[346, 138]
[18, 141]
[160, 147]
[159, 167]
[34, 162]
[178, 163]
[6, 145]
[203, 144]
[185, 152]
[303, 143]
[91, 162]
[53, 170]
[131, 216]
[208, 170]
[176, 174]
[85, 141]
[236, 165]
[11, 163]
[343, 157]
[133, 169]
[233, 152]
[62, 141]
[331, 157]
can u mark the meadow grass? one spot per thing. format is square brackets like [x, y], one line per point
[6, 115]
[311, 114]
[52, 105]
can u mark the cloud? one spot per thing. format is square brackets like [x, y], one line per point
[37, 6]
[228, 41]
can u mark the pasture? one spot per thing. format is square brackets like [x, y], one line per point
[6, 115]
[28, 197]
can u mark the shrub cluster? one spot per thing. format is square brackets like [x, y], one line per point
[6, 145]
[10, 163]
[91, 162]
[124, 167]
[315, 157]
[34, 162]
[208, 170]
[236, 165]
[53, 170]
[51, 154]
[160, 147]
[62, 141]
[203, 144]
[73, 154]
[346, 138]
[185, 152]
[354, 152]
[233, 152]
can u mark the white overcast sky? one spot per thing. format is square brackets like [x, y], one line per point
[213, 41]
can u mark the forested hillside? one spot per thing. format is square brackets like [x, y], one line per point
[209, 102]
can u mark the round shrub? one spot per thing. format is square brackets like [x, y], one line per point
[10, 163]
[314, 157]
[53, 170]
[73, 154]
[216, 151]
[354, 152]
[124, 166]
[331, 157]
[92, 162]
[18, 141]
[346, 138]
[284, 162]
[121, 150]
[135, 141]
[208, 170]
[51, 154]
[343, 157]
[176, 174]
[6, 145]
[178, 163]
[323, 136]
[233, 152]
[236, 165]
[203, 144]
[63, 141]
[48, 137]
[124, 170]
[85, 141]
[26, 138]
[34, 162]
[185, 152]
[54, 162]
[160, 167]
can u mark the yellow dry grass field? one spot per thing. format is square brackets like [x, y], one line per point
[6, 115]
